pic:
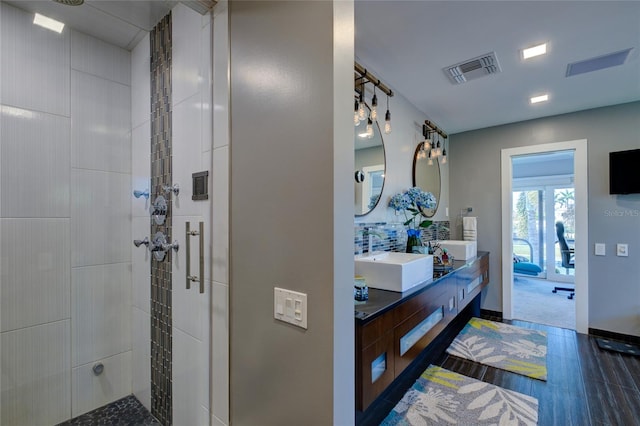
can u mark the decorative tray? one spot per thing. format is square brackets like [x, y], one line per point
[439, 267]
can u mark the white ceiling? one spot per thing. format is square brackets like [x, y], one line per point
[407, 43]
[122, 23]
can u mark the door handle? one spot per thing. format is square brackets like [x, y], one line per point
[195, 278]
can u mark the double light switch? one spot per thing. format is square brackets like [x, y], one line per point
[290, 306]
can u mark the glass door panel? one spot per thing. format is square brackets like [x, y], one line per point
[563, 211]
[529, 229]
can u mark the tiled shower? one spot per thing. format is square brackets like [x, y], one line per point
[75, 292]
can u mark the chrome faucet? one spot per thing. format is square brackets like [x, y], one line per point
[373, 233]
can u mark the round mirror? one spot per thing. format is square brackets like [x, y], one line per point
[427, 177]
[369, 167]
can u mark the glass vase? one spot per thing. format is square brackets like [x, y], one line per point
[413, 239]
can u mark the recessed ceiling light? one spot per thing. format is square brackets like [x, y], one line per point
[541, 98]
[538, 50]
[48, 23]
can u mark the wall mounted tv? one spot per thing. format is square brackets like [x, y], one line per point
[624, 172]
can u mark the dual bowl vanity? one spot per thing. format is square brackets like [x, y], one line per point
[394, 328]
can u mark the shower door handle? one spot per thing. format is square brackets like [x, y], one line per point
[200, 277]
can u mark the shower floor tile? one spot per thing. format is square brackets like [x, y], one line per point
[125, 411]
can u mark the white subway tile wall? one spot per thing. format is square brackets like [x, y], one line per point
[65, 221]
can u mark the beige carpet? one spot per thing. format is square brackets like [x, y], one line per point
[533, 301]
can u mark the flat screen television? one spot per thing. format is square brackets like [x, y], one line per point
[624, 172]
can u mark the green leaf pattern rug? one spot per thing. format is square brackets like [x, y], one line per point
[442, 397]
[508, 347]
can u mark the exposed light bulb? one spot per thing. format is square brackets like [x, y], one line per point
[427, 144]
[369, 128]
[356, 118]
[387, 122]
[362, 114]
[374, 106]
[443, 160]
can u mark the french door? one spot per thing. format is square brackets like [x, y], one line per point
[537, 206]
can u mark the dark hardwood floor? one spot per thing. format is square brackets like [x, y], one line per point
[586, 385]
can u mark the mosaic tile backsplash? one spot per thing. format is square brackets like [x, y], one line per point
[161, 318]
[393, 236]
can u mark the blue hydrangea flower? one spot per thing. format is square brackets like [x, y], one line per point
[425, 200]
[400, 202]
[410, 203]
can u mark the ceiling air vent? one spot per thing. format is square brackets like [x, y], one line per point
[473, 68]
[598, 63]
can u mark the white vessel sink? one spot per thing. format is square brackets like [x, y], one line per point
[394, 271]
[460, 250]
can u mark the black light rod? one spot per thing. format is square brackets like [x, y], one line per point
[372, 79]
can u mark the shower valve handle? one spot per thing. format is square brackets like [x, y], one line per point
[138, 243]
[137, 193]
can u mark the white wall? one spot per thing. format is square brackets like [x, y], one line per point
[141, 228]
[191, 153]
[400, 145]
[220, 219]
[65, 222]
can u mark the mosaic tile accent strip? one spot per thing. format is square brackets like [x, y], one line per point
[125, 411]
[161, 338]
[393, 236]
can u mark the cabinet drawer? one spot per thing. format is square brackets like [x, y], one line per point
[414, 334]
[376, 328]
[411, 307]
[471, 281]
[376, 371]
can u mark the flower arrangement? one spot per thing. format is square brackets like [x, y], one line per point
[411, 202]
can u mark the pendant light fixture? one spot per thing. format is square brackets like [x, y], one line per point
[369, 128]
[426, 134]
[438, 148]
[362, 114]
[374, 105]
[387, 119]
[356, 118]
[362, 76]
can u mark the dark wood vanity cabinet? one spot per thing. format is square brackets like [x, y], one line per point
[389, 340]
[471, 280]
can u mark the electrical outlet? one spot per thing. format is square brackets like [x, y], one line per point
[622, 250]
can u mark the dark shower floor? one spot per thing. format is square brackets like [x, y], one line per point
[126, 411]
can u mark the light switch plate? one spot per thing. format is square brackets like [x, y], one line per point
[600, 249]
[622, 250]
[290, 306]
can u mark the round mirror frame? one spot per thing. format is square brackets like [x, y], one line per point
[384, 157]
[436, 166]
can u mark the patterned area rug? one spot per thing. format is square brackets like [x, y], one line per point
[442, 397]
[508, 347]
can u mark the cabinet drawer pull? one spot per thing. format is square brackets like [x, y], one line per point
[419, 331]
